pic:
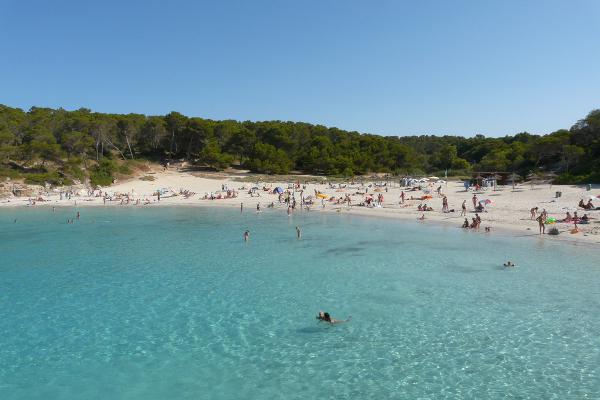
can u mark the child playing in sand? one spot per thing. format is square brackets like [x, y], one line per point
[533, 212]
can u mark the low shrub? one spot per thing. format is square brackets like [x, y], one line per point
[102, 174]
[52, 178]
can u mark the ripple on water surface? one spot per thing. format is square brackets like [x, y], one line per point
[170, 303]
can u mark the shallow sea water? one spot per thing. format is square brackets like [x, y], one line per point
[169, 303]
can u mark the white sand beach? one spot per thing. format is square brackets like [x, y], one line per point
[508, 212]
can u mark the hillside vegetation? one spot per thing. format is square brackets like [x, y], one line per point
[45, 145]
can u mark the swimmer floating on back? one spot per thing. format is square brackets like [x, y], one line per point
[324, 316]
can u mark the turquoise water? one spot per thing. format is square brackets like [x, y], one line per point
[169, 303]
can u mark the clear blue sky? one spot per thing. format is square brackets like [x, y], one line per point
[385, 67]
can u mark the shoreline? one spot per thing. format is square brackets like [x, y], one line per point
[383, 214]
[507, 214]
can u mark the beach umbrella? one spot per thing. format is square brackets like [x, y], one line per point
[434, 178]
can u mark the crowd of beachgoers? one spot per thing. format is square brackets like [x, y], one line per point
[536, 208]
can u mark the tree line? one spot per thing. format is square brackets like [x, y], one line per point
[59, 146]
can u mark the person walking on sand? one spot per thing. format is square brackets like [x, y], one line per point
[464, 209]
[246, 236]
[474, 201]
[298, 232]
[444, 204]
[533, 212]
[402, 195]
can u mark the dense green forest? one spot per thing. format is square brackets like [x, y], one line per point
[44, 145]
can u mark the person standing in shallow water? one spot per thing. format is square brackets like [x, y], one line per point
[298, 232]
[246, 236]
[241, 207]
[540, 221]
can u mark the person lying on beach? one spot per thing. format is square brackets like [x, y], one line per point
[325, 317]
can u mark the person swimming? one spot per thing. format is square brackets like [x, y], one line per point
[509, 264]
[325, 317]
